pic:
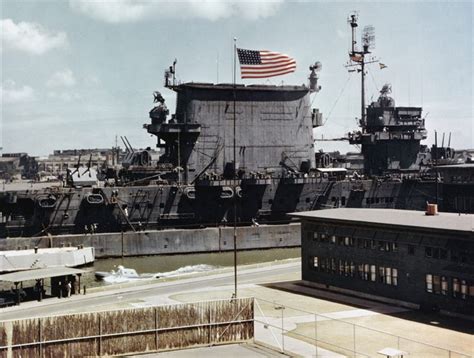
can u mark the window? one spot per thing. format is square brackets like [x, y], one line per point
[349, 241]
[341, 267]
[333, 265]
[429, 283]
[347, 268]
[394, 277]
[360, 271]
[325, 265]
[471, 290]
[366, 272]
[315, 262]
[456, 288]
[388, 276]
[352, 273]
[444, 286]
[315, 236]
[411, 250]
[333, 239]
[463, 289]
[436, 284]
[394, 247]
[428, 252]
[373, 274]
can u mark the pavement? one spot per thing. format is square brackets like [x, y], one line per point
[289, 317]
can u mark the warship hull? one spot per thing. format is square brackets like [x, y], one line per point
[58, 211]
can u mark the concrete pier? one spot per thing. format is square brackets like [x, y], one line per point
[170, 241]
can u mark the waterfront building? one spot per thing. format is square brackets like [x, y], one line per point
[399, 256]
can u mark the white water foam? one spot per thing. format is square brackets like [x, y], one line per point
[186, 270]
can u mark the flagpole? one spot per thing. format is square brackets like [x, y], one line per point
[235, 173]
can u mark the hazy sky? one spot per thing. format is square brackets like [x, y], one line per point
[76, 74]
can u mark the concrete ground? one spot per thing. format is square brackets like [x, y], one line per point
[340, 324]
[229, 351]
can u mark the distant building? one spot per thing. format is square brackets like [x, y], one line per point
[61, 160]
[401, 255]
[18, 165]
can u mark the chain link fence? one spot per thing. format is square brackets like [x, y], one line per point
[296, 331]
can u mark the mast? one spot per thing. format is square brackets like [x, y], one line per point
[358, 58]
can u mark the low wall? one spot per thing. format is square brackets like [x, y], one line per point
[130, 331]
[172, 241]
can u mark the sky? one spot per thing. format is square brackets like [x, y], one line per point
[78, 73]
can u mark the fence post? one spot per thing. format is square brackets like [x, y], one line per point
[40, 338]
[282, 330]
[100, 335]
[156, 327]
[354, 334]
[210, 325]
[316, 334]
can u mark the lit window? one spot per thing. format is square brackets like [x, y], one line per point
[444, 286]
[366, 272]
[373, 273]
[315, 262]
[315, 236]
[456, 288]
[360, 271]
[395, 277]
[429, 283]
[471, 290]
[388, 275]
[463, 289]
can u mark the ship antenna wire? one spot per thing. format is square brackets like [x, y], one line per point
[235, 175]
[338, 98]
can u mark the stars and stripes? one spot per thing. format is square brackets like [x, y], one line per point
[263, 64]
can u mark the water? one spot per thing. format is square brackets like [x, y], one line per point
[177, 265]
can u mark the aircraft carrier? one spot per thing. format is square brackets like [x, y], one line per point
[243, 153]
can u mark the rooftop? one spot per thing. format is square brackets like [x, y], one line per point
[39, 274]
[393, 217]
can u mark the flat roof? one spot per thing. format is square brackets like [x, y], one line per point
[40, 273]
[393, 217]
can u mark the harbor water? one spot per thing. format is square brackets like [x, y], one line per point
[177, 265]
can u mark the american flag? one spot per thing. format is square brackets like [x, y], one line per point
[262, 64]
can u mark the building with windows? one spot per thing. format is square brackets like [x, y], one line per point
[400, 256]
